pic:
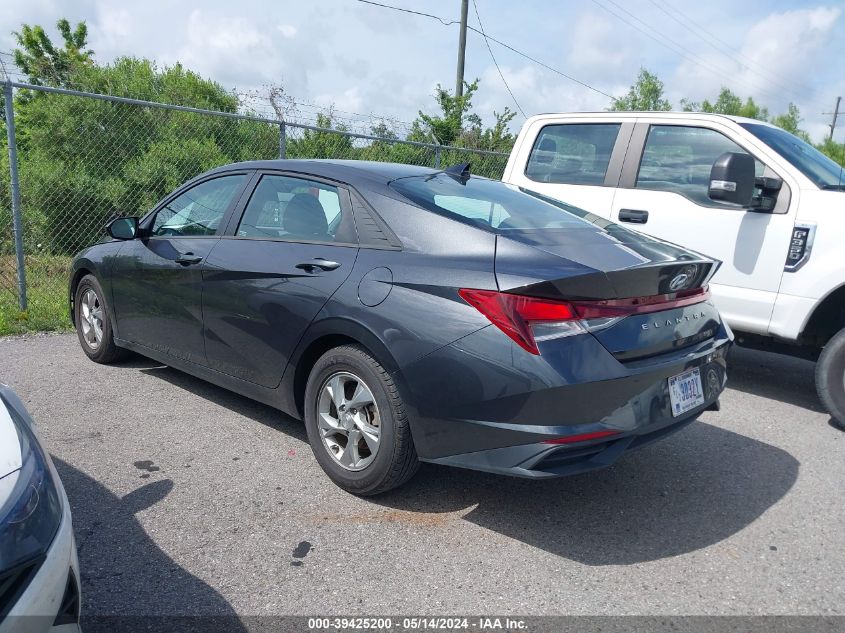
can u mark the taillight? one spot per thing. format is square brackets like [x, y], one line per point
[515, 315]
[528, 320]
[639, 305]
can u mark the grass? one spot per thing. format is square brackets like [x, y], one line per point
[47, 309]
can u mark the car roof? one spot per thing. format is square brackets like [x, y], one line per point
[348, 171]
[627, 114]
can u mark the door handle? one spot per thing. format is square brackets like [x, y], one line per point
[318, 262]
[634, 216]
[186, 259]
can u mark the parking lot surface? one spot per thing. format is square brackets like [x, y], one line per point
[188, 499]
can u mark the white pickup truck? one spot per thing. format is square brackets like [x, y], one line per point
[767, 204]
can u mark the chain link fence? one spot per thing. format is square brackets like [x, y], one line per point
[83, 158]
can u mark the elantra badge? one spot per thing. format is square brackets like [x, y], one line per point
[670, 323]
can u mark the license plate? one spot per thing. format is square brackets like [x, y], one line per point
[685, 392]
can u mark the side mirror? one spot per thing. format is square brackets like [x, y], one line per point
[732, 178]
[123, 228]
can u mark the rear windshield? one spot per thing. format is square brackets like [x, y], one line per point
[488, 204]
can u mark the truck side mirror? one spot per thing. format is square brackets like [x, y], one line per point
[732, 178]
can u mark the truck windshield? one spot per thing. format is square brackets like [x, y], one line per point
[823, 171]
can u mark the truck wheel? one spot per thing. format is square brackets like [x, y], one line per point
[830, 377]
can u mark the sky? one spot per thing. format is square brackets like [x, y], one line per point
[369, 61]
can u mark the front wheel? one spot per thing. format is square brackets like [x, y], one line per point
[93, 324]
[356, 423]
[830, 377]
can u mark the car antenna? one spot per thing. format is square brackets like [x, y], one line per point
[459, 172]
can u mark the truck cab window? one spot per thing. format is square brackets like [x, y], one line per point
[678, 158]
[573, 153]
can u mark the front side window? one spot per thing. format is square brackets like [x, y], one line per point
[198, 211]
[296, 209]
[574, 153]
[679, 158]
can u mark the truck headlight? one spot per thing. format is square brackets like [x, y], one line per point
[30, 505]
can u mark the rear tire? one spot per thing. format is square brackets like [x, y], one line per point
[93, 323]
[356, 423]
[830, 377]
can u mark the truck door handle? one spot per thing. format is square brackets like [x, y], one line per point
[186, 259]
[634, 216]
[318, 262]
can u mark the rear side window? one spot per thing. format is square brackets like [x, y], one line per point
[296, 209]
[679, 158]
[574, 153]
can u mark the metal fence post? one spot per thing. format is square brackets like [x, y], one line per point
[282, 139]
[437, 156]
[17, 227]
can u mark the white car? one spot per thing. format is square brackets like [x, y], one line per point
[39, 569]
[767, 204]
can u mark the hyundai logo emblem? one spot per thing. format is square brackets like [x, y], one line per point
[678, 282]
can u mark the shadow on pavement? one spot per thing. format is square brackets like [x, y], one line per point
[686, 493]
[229, 399]
[128, 582]
[782, 378]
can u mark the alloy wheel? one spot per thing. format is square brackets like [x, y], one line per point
[348, 421]
[91, 318]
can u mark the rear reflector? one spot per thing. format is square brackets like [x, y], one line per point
[527, 320]
[572, 439]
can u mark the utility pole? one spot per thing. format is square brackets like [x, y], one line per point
[462, 49]
[835, 113]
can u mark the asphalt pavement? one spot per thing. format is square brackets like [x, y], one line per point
[188, 499]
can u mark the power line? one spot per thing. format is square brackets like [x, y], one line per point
[729, 47]
[500, 43]
[443, 21]
[544, 65]
[493, 57]
[661, 39]
[708, 38]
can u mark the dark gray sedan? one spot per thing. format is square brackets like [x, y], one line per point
[409, 315]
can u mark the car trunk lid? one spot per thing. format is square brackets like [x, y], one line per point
[638, 296]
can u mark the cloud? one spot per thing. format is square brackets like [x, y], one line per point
[287, 30]
[373, 60]
[112, 24]
[596, 49]
[537, 90]
[771, 64]
[242, 52]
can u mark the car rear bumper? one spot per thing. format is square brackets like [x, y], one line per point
[498, 413]
[539, 460]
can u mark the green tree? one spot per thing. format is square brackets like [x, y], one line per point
[790, 121]
[84, 160]
[496, 138]
[646, 93]
[323, 144]
[46, 63]
[728, 103]
[455, 114]
[834, 150]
